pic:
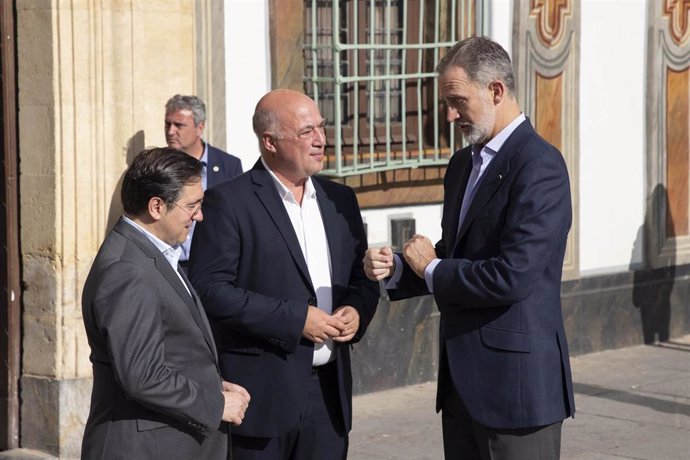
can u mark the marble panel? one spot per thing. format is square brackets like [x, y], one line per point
[400, 347]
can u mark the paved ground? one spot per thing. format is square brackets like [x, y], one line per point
[632, 403]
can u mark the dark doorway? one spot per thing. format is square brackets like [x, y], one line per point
[10, 296]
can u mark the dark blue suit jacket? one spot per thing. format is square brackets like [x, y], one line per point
[221, 166]
[249, 270]
[498, 285]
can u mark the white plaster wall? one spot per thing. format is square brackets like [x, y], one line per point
[612, 94]
[501, 23]
[612, 139]
[247, 69]
[427, 222]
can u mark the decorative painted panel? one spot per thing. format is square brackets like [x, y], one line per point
[668, 144]
[546, 58]
[677, 152]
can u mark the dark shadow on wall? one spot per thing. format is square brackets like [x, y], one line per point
[134, 146]
[652, 288]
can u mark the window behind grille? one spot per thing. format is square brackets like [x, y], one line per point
[370, 66]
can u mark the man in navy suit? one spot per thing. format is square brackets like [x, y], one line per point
[278, 265]
[185, 119]
[504, 376]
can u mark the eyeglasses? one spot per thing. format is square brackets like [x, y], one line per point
[191, 212]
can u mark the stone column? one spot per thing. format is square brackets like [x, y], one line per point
[93, 81]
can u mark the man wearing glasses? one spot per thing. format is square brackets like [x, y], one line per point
[278, 264]
[157, 391]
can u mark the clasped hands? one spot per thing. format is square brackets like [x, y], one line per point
[341, 325]
[418, 252]
[236, 403]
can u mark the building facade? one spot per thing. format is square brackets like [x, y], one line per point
[83, 91]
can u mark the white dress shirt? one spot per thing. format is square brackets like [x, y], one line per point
[307, 222]
[171, 253]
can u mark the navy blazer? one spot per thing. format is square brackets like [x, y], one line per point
[248, 268]
[221, 166]
[498, 285]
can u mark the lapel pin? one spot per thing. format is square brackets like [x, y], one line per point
[500, 177]
[216, 169]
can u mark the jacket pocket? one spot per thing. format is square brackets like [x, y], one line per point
[146, 425]
[504, 339]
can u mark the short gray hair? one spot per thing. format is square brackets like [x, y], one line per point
[192, 103]
[482, 59]
[265, 120]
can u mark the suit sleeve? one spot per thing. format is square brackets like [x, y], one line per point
[537, 221]
[362, 293]
[214, 271]
[128, 313]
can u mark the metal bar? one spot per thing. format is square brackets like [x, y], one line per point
[403, 88]
[453, 20]
[335, 37]
[381, 166]
[355, 120]
[314, 52]
[420, 66]
[392, 46]
[453, 37]
[387, 82]
[344, 79]
[372, 22]
[437, 16]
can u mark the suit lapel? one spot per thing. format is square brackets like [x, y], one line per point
[200, 316]
[169, 274]
[268, 196]
[212, 168]
[455, 193]
[333, 230]
[495, 174]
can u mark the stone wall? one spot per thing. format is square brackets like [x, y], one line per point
[93, 81]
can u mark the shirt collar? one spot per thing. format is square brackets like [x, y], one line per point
[283, 191]
[171, 253]
[204, 156]
[499, 139]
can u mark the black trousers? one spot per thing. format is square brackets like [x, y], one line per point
[465, 439]
[319, 435]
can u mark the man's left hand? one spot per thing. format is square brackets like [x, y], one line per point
[418, 253]
[350, 317]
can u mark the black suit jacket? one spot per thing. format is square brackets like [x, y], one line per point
[249, 270]
[156, 383]
[221, 166]
[498, 285]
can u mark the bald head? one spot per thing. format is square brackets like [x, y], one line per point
[273, 108]
[290, 130]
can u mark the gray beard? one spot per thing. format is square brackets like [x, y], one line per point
[474, 136]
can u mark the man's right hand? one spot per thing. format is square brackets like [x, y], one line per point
[379, 263]
[236, 403]
[320, 326]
